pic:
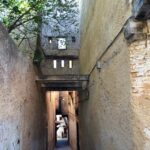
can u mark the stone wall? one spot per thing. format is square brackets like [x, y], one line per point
[48, 69]
[106, 118]
[21, 106]
[116, 115]
[140, 79]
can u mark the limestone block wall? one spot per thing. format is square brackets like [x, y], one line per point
[21, 106]
[140, 79]
[47, 47]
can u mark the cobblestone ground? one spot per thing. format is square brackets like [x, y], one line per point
[62, 145]
[63, 148]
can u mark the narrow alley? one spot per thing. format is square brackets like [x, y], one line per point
[62, 119]
[75, 75]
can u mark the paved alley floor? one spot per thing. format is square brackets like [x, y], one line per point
[63, 148]
[62, 145]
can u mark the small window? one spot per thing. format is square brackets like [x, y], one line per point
[55, 64]
[62, 63]
[62, 43]
[50, 40]
[73, 39]
[70, 64]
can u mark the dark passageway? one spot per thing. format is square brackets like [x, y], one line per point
[62, 120]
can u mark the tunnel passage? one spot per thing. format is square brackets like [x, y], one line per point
[62, 119]
[62, 98]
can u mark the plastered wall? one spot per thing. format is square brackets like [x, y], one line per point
[101, 21]
[108, 120]
[48, 69]
[106, 117]
[21, 106]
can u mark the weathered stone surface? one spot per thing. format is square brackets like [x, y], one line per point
[49, 47]
[21, 109]
[116, 115]
[101, 21]
[48, 69]
[62, 54]
[106, 117]
[140, 81]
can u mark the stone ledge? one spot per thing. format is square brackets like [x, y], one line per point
[54, 54]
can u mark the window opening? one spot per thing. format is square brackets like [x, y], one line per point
[73, 39]
[50, 40]
[62, 43]
[54, 64]
[70, 64]
[62, 63]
